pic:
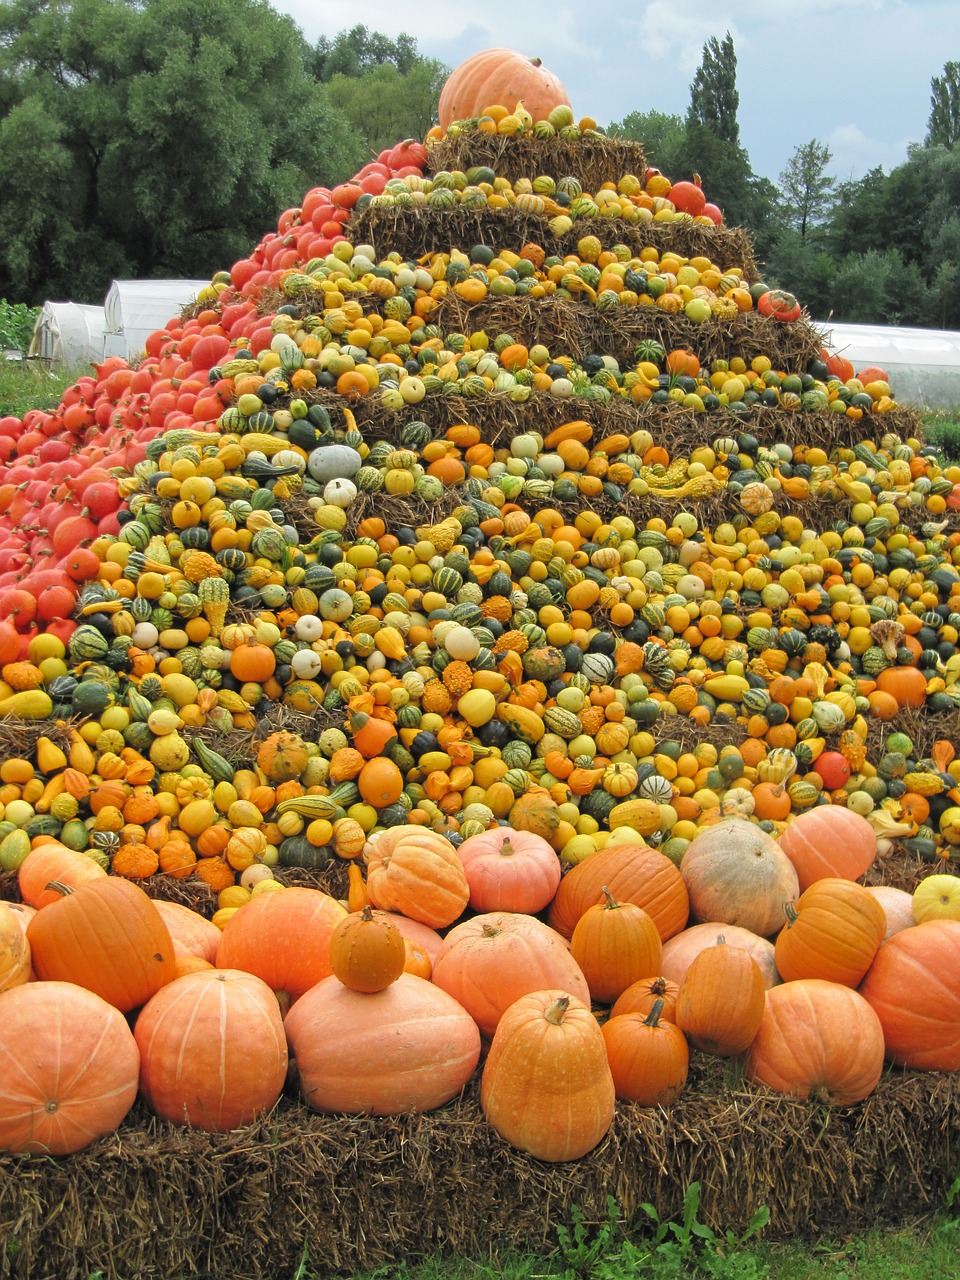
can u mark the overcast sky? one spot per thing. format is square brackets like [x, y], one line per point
[852, 73]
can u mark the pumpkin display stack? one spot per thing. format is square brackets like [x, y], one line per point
[503, 605]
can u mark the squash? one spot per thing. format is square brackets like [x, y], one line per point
[737, 874]
[499, 77]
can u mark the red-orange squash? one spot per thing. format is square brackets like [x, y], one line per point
[736, 873]
[829, 840]
[547, 1088]
[648, 1055]
[632, 873]
[640, 997]
[491, 960]
[913, 986]
[410, 1047]
[107, 936]
[68, 1068]
[213, 1054]
[417, 872]
[509, 870]
[283, 938]
[499, 77]
[615, 944]
[817, 1039]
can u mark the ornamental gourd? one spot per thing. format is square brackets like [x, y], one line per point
[417, 872]
[499, 77]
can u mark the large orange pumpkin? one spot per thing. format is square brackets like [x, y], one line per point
[547, 1087]
[817, 1039]
[54, 862]
[410, 1047]
[632, 873]
[680, 951]
[830, 840]
[68, 1068]
[499, 77]
[194, 932]
[491, 960]
[213, 1054]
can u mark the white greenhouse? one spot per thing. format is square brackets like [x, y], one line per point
[71, 334]
[68, 334]
[923, 364]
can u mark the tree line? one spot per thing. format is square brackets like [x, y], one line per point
[881, 249]
[151, 138]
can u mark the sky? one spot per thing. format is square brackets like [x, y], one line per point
[854, 74]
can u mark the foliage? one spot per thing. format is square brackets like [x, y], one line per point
[713, 94]
[357, 52]
[17, 322]
[30, 386]
[807, 187]
[663, 137]
[943, 129]
[384, 104]
[153, 140]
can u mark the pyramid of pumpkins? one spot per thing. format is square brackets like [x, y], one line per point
[501, 665]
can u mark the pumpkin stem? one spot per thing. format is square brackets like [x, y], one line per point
[611, 901]
[557, 1011]
[791, 913]
[658, 987]
[366, 913]
[653, 1017]
[536, 62]
[490, 931]
[506, 849]
[57, 887]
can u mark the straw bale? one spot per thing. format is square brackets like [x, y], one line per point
[155, 1201]
[422, 230]
[592, 160]
[18, 738]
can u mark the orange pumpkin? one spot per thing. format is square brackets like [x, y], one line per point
[495, 77]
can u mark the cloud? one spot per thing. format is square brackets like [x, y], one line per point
[854, 152]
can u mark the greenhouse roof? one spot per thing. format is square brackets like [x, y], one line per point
[923, 364]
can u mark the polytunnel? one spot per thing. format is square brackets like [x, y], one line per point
[68, 335]
[135, 308]
[923, 364]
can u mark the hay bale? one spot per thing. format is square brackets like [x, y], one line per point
[154, 1201]
[416, 232]
[591, 159]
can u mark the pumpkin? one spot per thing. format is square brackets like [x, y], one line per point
[535, 811]
[70, 1067]
[407, 1048]
[817, 1039]
[906, 684]
[913, 986]
[106, 936]
[615, 944]
[546, 1086]
[284, 939]
[367, 951]
[832, 932]
[640, 997]
[681, 951]
[509, 870]
[736, 873]
[14, 950]
[829, 840]
[632, 873]
[648, 1056]
[490, 960]
[213, 1054]
[721, 1000]
[380, 782]
[420, 935]
[194, 932]
[418, 873]
[282, 757]
[499, 77]
[897, 907]
[54, 862]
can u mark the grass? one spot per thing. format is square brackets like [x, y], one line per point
[943, 430]
[28, 385]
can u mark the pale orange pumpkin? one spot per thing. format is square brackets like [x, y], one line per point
[499, 77]
[417, 872]
[509, 870]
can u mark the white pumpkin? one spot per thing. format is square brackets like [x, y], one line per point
[339, 493]
[308, 627]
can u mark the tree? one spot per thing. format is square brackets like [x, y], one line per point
[354, 53]
[714, 99]
[662, 135]
[943, 128]
[384, 105]
[807, 188]
[151, 139]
